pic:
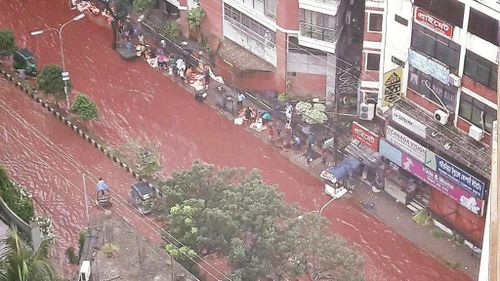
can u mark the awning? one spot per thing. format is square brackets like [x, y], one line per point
[241, 58]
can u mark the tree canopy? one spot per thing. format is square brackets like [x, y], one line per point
[230, 212]
[50, 81]
[7, 43]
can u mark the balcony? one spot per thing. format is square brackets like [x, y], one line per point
[328, 7]
[318, 32]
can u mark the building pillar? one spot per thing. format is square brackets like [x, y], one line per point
[331, 73]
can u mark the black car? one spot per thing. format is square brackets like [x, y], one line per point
[24, 59]
[142, 196]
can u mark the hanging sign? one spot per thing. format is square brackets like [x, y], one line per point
[409, 123]
[433, 23]
[390, 152]
[429, 66]
[460, 177]
[405, 143]
[365, 136]
[392, 86]
[442, 184]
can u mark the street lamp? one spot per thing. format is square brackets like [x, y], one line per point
[65, 74]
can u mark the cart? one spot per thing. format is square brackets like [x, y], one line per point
[335, 177]
[103, 200]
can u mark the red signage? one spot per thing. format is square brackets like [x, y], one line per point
[433, 23]
[365, 136]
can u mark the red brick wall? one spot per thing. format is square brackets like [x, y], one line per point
[308, 85]
[287, 14]
[212, 23]
[370, 36]
[479, 89]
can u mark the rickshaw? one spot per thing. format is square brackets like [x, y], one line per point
[336, 177]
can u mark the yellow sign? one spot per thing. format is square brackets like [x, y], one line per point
[392, 86]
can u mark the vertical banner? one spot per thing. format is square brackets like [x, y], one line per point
[392, 86]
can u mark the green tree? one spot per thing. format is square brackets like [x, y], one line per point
[84, 107]
[119, 10]
[195, 17]
[16, 197]
[19, 262]
[144, 5]
[50, 81]
[172, 30]
[7, 43]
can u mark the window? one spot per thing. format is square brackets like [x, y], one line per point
[435, 46]
[270, 8]
[421, 82]
[375, 22]
[401, 20]
[318, 26]
[481, 70]
[451, 11]
[484, 26]
[255, 30]
[372, 61]
[477, 112]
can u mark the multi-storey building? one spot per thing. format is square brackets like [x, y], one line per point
[436, 81]
[271, 45]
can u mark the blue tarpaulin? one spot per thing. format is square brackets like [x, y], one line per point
[346, 166]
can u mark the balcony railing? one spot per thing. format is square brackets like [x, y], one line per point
[333, 2]
[318, 32]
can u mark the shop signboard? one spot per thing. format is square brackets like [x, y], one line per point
[460, 177]
[390, 152]
[442, 184]
[392, 86]
[429, 66]
[365, 136]
[433, 23]
[408, 122]
[405, 143]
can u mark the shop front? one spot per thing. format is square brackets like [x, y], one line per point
[455, 197]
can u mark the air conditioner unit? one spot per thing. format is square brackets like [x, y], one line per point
[454, 80]
[84, 271]
[367, 111]
[476, 133]
[441, 116]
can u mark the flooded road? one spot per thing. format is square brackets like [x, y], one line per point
[137, 103]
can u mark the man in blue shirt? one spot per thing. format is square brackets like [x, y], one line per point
[102, 187]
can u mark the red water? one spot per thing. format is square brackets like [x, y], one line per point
[139, 103]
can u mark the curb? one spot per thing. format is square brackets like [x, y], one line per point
[32, 93]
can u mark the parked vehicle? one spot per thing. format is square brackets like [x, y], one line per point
[24, 59]
[142, 195]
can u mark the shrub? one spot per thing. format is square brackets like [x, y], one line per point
[144, 5]
[72, 257]
[172, 30]
[7, 43]
[50, 81]
[46, 227]
[110, 249]
[84, 107]
[16, 197]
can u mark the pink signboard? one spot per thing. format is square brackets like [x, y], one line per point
[439, 182]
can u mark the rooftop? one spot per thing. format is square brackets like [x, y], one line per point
[462, 148]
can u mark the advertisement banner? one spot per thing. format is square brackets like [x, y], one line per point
[408, 122]
[433, 23]
[390, 152]
[460, 177]
[365, 136]
[429, 66]
[392, 86]
[439, 182]
[405, 143]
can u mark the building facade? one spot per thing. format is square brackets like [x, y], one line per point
[436, 92]
[273, 45]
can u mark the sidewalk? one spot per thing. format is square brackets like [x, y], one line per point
[394, 215]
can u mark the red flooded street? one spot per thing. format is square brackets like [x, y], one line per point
[139, 103]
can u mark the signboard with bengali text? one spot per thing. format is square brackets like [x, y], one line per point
[405, 143]
[365, 136]
[433, 23]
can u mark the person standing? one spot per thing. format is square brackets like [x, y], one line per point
[141, 39]
[239, 99]
[102, 187]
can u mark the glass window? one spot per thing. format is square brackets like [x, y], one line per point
[481, 70]
[432, 89]
[484, 26]
[435, 46]
[477, 112]
[372, 61]
[375, 22]
[451, 11]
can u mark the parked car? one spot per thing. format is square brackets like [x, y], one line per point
[142, 195]
[24, 59]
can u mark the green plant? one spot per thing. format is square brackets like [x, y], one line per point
[7, 43]
[422, 217]
[110, 249]
[283, 97]
[81, 237]
[84, 107]
[18, 199]
[71, 255]
[50, 81]
[46, 227]
[144, 5]
[172, 30]
[195, 17]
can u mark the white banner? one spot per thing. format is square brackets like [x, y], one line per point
[403, 142]
[409, 123]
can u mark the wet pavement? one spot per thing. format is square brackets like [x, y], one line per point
[139, 103]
